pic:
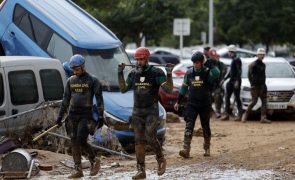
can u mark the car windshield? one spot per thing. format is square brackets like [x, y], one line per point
[103, 63]
[273, 70]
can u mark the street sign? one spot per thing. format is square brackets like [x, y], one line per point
[181, 26]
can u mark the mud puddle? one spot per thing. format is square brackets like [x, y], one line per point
[187, 172]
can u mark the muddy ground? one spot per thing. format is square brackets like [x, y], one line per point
[250, 146]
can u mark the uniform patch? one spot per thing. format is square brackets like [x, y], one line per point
[142, 79]
[197, 78]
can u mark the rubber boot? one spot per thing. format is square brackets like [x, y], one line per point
[265, 120]
[140, 172]
[245, 117]
[239, 117]
[207, 146]
[225, 117]
[186, 150]
[161, 165]
[78, 173]
[140, 156]
[95, 167]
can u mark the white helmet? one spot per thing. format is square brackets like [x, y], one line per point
[232, 48]
[260, 51]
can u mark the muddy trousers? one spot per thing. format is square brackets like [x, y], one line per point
[191, 115]
[218, 95]
[79, 135]
[258, 92]
[145, 123]
[229, 90]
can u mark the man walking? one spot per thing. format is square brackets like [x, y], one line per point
[78, 98]
[146, 80]
[198, 82]
[234, 83]
[217, 90]
[256, 76]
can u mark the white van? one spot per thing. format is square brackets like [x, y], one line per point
[26, 82]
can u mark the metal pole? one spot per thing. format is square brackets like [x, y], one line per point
[181, 44]
[211, 40]
[32, 110]
[95, 146]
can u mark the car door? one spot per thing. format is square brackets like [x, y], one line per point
[20, 36]
[23, 88]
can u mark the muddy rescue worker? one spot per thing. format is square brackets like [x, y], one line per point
[217, 90]
[234, 83]
[256, 76]
[146, 80]
[198, 82]
[78, 101]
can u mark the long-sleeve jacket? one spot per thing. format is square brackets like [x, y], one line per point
[235, 70]
[256, 73]
[78, 95]
[199, 83]
[146, 85]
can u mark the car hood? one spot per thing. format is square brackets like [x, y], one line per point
[121, 105]
[275, 84]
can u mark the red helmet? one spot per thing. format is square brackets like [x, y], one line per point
[142, 53]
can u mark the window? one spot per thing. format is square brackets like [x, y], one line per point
[51, 84]
[172, 60]
[41, 31]
[59, 48]
[1, 90]
[23, 87]
[25, 26]
[154, 59]
[18, 14]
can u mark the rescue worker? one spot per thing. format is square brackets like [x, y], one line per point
[217, 90]
[234, 84]
[78, 101]
[198, 81]
[146, 80]
[256, 76]
[206, 52]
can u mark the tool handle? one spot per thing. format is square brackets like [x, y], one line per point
[46, 132]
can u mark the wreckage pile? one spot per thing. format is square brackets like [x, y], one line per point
[17, 145]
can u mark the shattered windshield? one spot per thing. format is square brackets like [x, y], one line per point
[103, 63]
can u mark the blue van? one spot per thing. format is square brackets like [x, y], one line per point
[59, 29]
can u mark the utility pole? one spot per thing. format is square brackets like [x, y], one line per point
[211, 10]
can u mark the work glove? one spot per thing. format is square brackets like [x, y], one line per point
[58, 121]
[100, 121]
[92, 127]
[169, 67]
[121, 67]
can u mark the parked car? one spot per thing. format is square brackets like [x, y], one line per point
[164, 59]
[25, 83]
[241, 53]
[60, 29]
[180, 69]
[280, 81]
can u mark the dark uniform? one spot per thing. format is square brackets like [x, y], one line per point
[234, 86]
[198, 83]
[256, 76]
[145, 117]
[78, 97]
[217, 90]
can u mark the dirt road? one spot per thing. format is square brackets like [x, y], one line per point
[248, 146]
